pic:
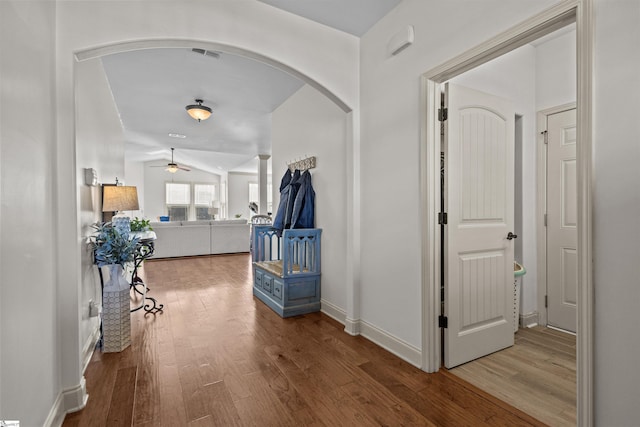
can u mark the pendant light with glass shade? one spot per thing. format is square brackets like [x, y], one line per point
[198, 111]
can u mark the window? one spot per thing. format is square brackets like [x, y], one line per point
[181, 206]
[254, 195]
[204, 195]
[178, 200]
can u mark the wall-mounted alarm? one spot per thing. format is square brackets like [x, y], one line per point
[90, 177]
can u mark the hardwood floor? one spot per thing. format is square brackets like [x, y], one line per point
[216, 357]
[536, 375]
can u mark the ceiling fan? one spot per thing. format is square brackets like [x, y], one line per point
[172, 166]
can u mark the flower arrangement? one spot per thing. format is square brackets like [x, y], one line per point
[112, 245]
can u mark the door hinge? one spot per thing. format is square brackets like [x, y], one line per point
[545, 220]
[545, 134]
[442, 218]
[443, 321]
[442, 114]
[546, 301]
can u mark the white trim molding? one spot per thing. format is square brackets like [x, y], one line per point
[564, 13]
[333, 311]
[398, 347]
[69, 400]
[403, 350]
[90, 346]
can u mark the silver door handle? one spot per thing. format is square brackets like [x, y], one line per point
[511, 236]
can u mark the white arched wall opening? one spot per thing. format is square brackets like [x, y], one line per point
[70, 238]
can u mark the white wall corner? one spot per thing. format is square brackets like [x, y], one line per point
[402, 349]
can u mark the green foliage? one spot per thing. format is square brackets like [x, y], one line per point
[112, 246]
[138, 224]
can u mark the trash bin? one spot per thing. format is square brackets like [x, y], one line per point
[518, 272]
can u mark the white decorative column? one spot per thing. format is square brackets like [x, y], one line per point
[262, 182]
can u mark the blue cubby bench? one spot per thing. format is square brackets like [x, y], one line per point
[286, 269]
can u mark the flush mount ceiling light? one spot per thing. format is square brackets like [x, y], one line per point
[198, 111]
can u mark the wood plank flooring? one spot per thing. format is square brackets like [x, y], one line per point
[536, 375]
[218, 357]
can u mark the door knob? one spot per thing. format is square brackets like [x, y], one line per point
[511, 236]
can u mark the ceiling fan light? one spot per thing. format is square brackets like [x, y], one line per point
[172, 168]
[198, 111]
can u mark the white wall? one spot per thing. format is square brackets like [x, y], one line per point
[390, 124]
[309, 124]
[99, 145]
[239, 193]
[134, 175]
[29, 337]
[512, 76]
[556, 76]
[616, 212]
[154, 186]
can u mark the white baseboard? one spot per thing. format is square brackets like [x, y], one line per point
[529, 320]
[76, 397]
[57, 413]
[89, 347]
[351, 326]
[70, 400]
[403, 350]
[355, 327]
[333, 311]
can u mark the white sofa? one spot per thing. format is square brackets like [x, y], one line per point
[187, 238]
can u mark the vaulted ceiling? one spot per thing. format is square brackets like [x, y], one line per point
[152, 87]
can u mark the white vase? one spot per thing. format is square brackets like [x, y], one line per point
[117, 280]
[116, 318]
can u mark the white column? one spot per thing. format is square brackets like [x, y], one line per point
[262, 182]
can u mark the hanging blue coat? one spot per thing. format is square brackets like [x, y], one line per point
[294, 186]
[304, 204]
[282, 218]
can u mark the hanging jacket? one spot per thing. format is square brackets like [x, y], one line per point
[288, 189]
[293, 187]
[304, 204]
[278, 220]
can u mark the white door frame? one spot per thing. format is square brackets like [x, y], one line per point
[541, 204]
[558, 16]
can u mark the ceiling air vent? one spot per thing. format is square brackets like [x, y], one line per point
[204, 52]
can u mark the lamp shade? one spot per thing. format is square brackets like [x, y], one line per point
[198, 111]
[119, 198]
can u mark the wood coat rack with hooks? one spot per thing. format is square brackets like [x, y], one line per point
[302, 164]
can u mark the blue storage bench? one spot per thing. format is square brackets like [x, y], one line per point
[286, 269]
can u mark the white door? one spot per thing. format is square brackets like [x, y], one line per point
[562, 217]
[479, 195]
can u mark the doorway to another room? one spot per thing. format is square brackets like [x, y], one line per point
[537, 345]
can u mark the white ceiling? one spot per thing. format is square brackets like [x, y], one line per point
[351, 16]
[152, 87]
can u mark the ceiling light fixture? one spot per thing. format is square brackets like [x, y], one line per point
[198, 111]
